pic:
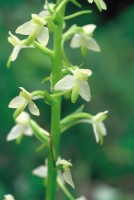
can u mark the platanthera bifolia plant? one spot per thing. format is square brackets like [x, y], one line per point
[66, 79]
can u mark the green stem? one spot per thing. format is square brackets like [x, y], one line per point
[55, 109]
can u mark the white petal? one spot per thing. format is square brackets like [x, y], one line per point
[85, 91]
[16, 102]
[91, 44]
[22, 118]
[66, 83]
[95, 132]
[44, 13]
[82, 198]
[25, 29]
[76, 41]
[43, 37]
[102, 128]
[28, 131]
[68, 178]
[15, 52]
[89, 29]
[100, 116]
[40, 171]
[15, 132]
[90, 1]
[103, 5]
[8, 197]
[33, 108]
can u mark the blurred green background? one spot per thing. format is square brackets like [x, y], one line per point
[100, 172]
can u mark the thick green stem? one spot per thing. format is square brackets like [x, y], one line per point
[55, 109]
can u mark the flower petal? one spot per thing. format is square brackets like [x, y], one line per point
[15, 52]
[16, 102]
[40, 171]
[68, 178]
[28, 131]
[43, 37]
[33, 108]
[82, 198]
[102, 128]
[15, 132]
[85, 91]
[25, 29]
[8, 197]
[96, 133]
[23, 118]
[76, 41]
[90, 1]
[91, 44]
[89, 29]
[66, 83]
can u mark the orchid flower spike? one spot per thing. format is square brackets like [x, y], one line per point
[8, 197]
[98, 126]
[22, 101]
[22, 127]
[77, 83]
[65, 166]
[35, 29]
[18, 45]
[100, 4]
[84, 39]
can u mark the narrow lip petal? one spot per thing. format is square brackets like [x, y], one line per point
[16, 102]
[43, 37]
[66, 83]
[102, 128]
[96, 133]
[15, 52]
[33, 108]
[15, 132]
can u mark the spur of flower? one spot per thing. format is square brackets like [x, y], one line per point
[83, 38]
[22, 127]
[100, 4]
[18, 45]
[8, 197]
[22, 101]
[76, 83]
[35, 29]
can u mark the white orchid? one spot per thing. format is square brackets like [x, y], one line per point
[84, 38]
[35, 29]
[65, 165]
[100, 4]
[98, 125]
[77, 83]
[18, 45]
[48, 10]
[8, 197]
[41, 171]
[22, 127]
[24, 99]
[82, 198]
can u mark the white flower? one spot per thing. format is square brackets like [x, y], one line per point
[21, 127]
[18, 45]
[41, 171]
[100, 4]
[8, 197]
[20, 102]
[66, 171]
[48, 10]
[84, 38]
[77, 83]
[35, 29]
[82, 198]
[98, 125]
